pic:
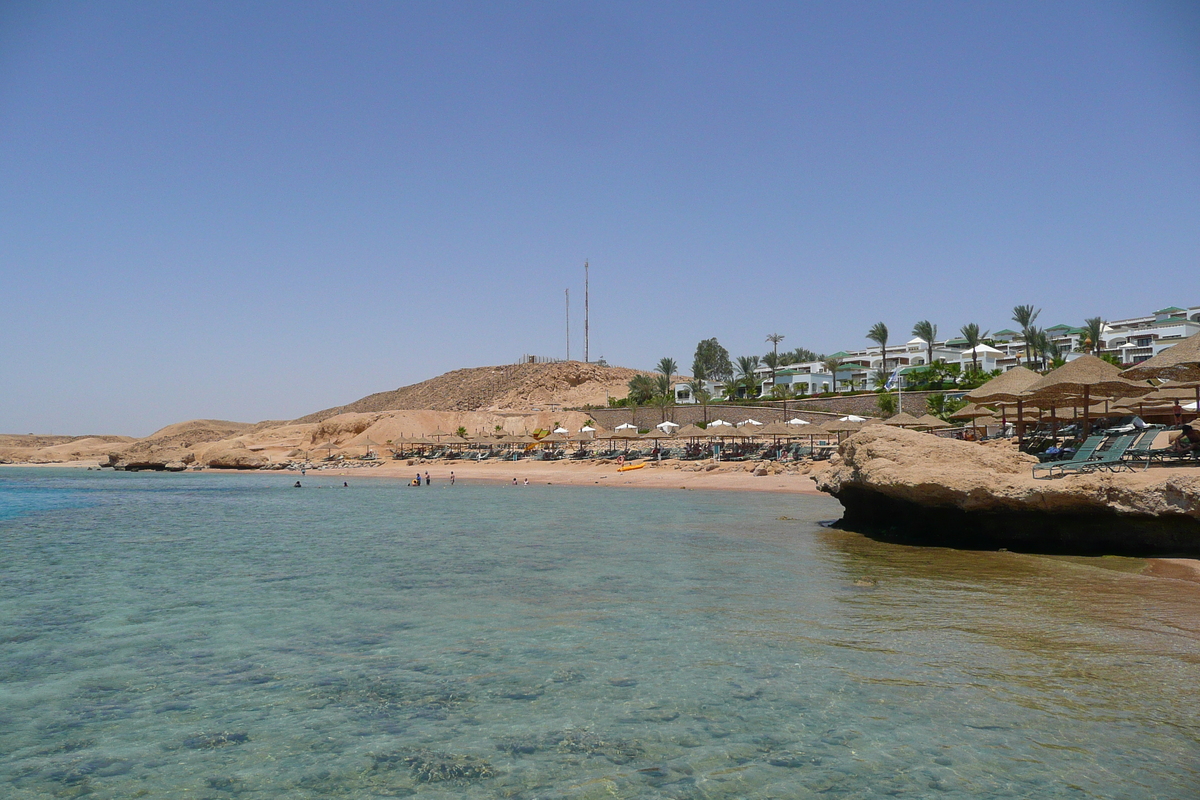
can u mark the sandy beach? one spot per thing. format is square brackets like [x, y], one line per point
[654, 475]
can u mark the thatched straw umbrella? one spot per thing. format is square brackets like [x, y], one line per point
[971, 411]
[902, 420]
[1174, 392]
[929, 422]
[778, 429]
[1087, 376]
[1009, 387]
[1179, 362]
[692, 432]
[841, 426]
[813, 431]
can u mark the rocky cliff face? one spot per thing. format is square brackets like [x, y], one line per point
[902, 484]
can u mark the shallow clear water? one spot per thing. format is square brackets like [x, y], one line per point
[219, 636]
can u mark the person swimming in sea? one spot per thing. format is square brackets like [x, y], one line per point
[297, 485]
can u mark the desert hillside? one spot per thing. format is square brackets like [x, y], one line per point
[517, 398]
[517, 387]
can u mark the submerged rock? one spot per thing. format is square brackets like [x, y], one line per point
[914, 486]
[432, 766]
[209, 741]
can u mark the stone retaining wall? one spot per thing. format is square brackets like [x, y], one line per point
[818, 409]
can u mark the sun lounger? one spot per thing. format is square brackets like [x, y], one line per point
[1140, 449]
[1161, 451]
[1111, 459]
[1084, 453]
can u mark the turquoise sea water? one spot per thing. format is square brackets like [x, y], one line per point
[214, 636]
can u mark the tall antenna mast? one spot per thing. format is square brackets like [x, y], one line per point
[585, 312]
[568, 291]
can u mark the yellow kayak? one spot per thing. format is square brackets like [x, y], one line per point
[628, 467]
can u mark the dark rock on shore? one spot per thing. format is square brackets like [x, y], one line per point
[914, 487]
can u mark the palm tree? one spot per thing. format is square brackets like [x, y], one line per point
[1042, 345]
[971, 333]
[663, 396]
[746, 366]
[774, 339]
[928, 331]
[667, 367]
[832, 365]
[1095, 329]
[1025, 316]
[879, 335]
[800, 355]
[641, 389]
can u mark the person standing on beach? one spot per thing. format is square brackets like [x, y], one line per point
[514, 481]
[417, 482]
[426, 478]
[451, 477]
[1178, 409]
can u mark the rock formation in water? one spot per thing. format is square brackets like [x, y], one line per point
[902, 484]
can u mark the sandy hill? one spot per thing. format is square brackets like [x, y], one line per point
[194, 431]
[516, 387]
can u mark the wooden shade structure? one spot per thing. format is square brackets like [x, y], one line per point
[1085, 377]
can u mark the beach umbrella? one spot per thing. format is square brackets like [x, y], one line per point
[553, 438]
[842, 426]
[719, 423]
[746, 422]
[852, 418]
[1010, 387]
[666, 426]
[329, 447]
[902, 420]
[984, 422]
[1174, 392]
[930, 422]
[971, 411]
[692, 432]
[798, 421]
[1086, 376]
[438, 434]
[779, 429]
[627, 426]
[1180, 362]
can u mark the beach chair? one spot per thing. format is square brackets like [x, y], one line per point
[1111, 459]
[1140, 450]
[1165, 454]
[1084, 453]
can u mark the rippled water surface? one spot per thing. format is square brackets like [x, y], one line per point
[215, 636]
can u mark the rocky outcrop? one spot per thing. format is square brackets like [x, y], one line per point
[236, 456]
[157, 459]
[900, 484]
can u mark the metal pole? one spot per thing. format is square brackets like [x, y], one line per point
[585, 312]
[568, 291]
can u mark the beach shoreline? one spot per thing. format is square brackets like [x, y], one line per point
[725, 477]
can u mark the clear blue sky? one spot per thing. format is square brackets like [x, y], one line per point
[254, 210]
